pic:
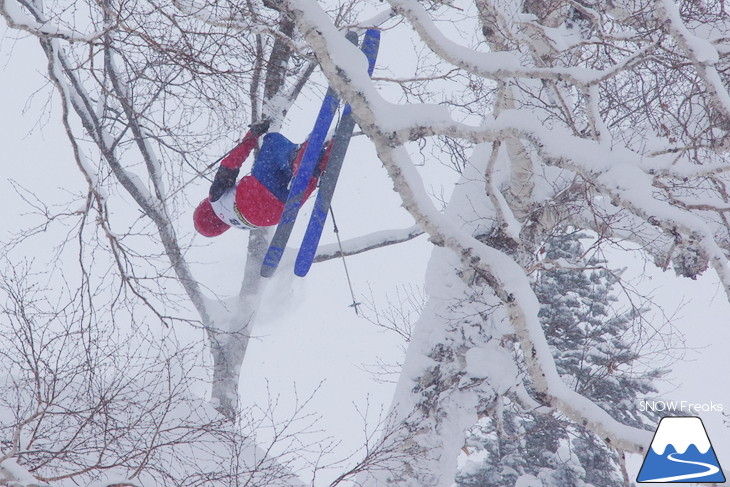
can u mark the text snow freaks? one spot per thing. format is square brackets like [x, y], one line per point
[680, 406]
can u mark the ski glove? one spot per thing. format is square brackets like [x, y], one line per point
[259, 128]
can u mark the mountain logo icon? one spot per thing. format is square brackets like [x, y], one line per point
[681, 452]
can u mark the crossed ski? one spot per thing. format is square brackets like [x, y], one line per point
[328, 181]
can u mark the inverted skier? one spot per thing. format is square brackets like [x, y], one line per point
[258, 199]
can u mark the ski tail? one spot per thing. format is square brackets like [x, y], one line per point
[301, 179]
[328, 181]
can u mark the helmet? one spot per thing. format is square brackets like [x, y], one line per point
[207, 222]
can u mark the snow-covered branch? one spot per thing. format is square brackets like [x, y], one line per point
[13, 13]
[213, 16]
[376, 240]
[12, 474]
[141, 137]
[505, 276]
[558, 118]
[509, 282]
[700, 52]
[503, 64]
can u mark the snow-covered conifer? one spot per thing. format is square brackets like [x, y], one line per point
[596, 352]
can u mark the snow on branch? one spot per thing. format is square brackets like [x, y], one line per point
[391, 126]
[505, 276]
[364, 243]
[497, 65]
[699, 51]
[16, 18]
[626, 179]
[81, 101]
[140, 135]
[13, 474]
[510, 283]
[377, 19]
[205, 13]
[74, 95]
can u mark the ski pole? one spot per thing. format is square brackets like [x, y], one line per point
[354, 304]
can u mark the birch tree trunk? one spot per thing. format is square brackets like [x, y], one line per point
[563, 132]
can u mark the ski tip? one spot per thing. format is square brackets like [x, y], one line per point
[271, 261]
[267, 270]
[302, 270]
[305, 257]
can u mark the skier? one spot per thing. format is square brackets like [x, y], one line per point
[258, 199]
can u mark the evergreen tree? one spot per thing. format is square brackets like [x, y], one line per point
[595, 354]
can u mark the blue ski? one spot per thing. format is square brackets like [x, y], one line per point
[299, 184]
[328, 181]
